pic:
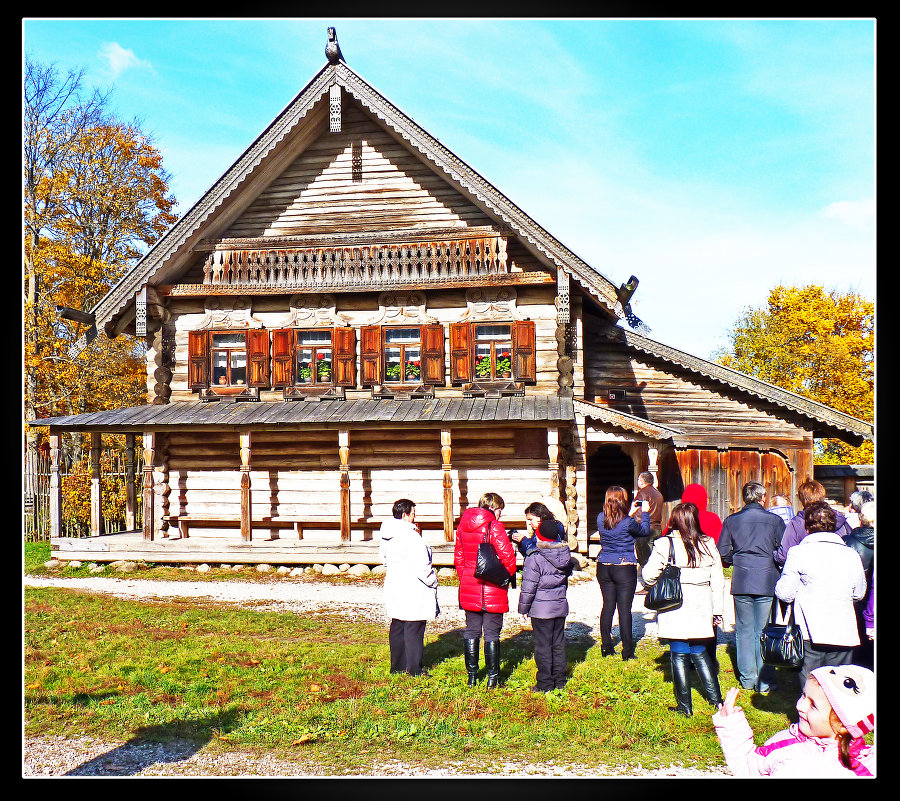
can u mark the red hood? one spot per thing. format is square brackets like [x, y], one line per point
[696, 494]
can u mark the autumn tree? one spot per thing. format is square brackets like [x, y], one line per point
[95, 198]
[817, 343]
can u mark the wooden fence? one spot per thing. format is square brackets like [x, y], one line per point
[36, 522]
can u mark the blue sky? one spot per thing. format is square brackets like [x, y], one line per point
[713, 159]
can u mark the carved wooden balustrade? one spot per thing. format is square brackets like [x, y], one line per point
[347, 266]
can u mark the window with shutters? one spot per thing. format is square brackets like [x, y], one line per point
[403, 355]
[483, 353]
[313, 357]
[229, 358]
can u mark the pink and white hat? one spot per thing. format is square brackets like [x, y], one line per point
[850, 690]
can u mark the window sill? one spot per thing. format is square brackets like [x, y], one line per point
[402, 391]
[314, 393]
[493, 389]
[229, 394]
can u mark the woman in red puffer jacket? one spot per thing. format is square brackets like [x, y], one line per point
[483, 603]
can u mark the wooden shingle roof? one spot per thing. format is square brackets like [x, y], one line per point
[533, 409]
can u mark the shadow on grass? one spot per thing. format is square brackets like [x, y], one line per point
[182, 739]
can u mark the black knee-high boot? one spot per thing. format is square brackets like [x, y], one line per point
[492, 662]
[471, 652]
[706, 672]
[681, 684]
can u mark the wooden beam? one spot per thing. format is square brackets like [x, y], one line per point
[149, 456]
[246, 528]
[96, 487]
[55, 488]
[130, 491]
[344, 455]
[446, 446]
[553, 456]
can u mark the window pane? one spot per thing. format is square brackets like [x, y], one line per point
[304, 366]
[392, 364]
[489, 332]
[314, 337]
[413, 366]
[239, 368]
[323, 365]
[483, 361]
[229, 340]
[220, 368]
[401, 335]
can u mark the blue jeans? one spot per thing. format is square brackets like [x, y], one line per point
[751, 612]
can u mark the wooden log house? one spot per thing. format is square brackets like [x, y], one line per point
[351, 314]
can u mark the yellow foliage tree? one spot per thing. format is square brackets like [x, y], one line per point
[95, 199]
[818, 344]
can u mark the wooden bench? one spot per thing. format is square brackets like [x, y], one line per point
[298, 524]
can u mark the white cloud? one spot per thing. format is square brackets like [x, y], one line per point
[855, 213]
[118, 59]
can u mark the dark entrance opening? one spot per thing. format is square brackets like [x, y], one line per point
[607, 466]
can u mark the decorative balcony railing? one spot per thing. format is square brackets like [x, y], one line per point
[358, 265]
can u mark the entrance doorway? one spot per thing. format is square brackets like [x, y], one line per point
[608, 465]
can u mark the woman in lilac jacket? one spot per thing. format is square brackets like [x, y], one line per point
[545, 578]
[617, 565]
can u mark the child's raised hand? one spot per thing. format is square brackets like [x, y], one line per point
[728, 706]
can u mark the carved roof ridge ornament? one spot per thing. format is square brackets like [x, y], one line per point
[228, 312]
[742, 381]
[333, 49]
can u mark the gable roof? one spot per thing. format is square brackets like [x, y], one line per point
[169, 253]
[827, 422]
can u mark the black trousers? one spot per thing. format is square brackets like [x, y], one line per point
[549, 652]
[407, 641]
[488, 623]
[617, 586]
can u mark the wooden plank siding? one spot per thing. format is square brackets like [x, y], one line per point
[360, 179]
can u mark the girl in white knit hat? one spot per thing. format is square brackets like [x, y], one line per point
[836, 710]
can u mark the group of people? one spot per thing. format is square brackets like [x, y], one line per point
[776, 554]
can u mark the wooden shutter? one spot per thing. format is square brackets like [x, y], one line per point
[461, 355]
[198, 360]
[258, 358]
[433, 354]
[524, 356]
[370, 355]
[283, 358]
[343, 348]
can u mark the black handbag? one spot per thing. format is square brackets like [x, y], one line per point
[666, 594]
[488, 566]
[781, 644]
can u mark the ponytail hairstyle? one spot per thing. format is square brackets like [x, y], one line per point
[615, 506]
[685, 519]
[843, 739]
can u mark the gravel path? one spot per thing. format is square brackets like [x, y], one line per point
[82, 756]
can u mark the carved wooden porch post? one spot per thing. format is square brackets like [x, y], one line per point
[149, 500]
[553, 456]
[246, 528]
[448, 484]
[96, 487]
[55, 488]
[130, 498]
[344, 453]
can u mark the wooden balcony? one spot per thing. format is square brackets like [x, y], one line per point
[346, 267]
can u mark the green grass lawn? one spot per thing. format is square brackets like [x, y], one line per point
[319, 686]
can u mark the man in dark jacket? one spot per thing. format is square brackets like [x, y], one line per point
[748, 541]
[862, 540]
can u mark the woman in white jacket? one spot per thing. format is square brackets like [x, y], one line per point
[688, 626]
[410, 587]
[823, 577]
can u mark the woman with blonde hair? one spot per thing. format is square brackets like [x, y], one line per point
[617, 565]
[484, 603]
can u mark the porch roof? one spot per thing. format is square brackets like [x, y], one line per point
[320, 414]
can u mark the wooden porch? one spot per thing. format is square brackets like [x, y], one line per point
[230, 550]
